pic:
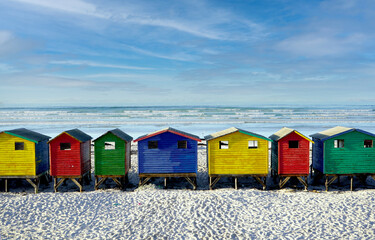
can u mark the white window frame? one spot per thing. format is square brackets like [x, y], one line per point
[253, 144]
[223, 144]
[339, 143]
[109, 145]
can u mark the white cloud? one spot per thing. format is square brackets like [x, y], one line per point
[94, 64]
[72, 6]
[320, 45]
[179, 57]
[196, 21]
[5, 37]
[6, 68]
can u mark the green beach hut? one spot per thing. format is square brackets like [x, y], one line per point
[112, 157]
[342, 151]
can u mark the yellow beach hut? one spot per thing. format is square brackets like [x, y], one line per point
[23, 154]
[237, 153]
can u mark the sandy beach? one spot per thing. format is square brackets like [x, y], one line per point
[151, 212]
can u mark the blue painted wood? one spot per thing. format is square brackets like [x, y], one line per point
[42, 156]
[317, 155]
[167, 158]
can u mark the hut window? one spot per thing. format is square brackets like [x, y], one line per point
[253, 144]
[293, 144]
[368, 144]
[65, 146]
[339, 143]
[19, 146]
[223, 144]
[109, 145]
[182, 144]
[152, 144]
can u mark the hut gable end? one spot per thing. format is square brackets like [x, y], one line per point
[111, 161]
[65, 161]
[16, 162]
[167, 157]
[239, 157]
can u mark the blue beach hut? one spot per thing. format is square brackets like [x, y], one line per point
[168, 153]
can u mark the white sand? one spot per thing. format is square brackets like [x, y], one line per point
[181, 213]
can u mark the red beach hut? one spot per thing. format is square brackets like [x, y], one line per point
[70, 157]
[290, 155]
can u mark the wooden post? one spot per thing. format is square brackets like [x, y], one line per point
[211, 182]
[235, 183]
[165, 182]
[6, 185]
[78, 183]
[303, 181]
[351, 183]
[326, 183]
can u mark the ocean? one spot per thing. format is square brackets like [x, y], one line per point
[198, 120]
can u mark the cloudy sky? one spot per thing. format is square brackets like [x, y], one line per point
[193, 52]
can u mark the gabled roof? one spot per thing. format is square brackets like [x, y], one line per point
[337, 131]
[285, 132]
[233, 130]
[117, 132]
[77, 134]
[27, 135]
[171, 130]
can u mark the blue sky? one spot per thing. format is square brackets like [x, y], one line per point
[193, 52]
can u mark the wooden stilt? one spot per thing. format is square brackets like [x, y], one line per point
[78, 183]
[262, 182]
[236, 183]
[210, 183]
[165, 182]
[329, 182]
[58, 183]
[214, 182]
[141, 183]
[98, 183]
[283, 182]
[117, 182]
[351, 183]
[6, 185]
[304, 182]
[192, 182]
[35, 185]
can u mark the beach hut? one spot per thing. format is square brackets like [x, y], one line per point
[23, 154]
[168, 153]
[70, 157]
[290, 156]
[342, 151]
[112, 157]
[237, 153]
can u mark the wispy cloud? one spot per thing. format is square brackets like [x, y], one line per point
[71, 6]
[95, 64]
[215, 24]
[320, 44]
[173, 56]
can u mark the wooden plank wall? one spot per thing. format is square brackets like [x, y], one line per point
[65, 162]
[317, 155]
[42, 157]
[351, 159]
[167, 158]
[85, 157]
[294, 160]
[238, 158]
[110, 162]
[16, 162]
